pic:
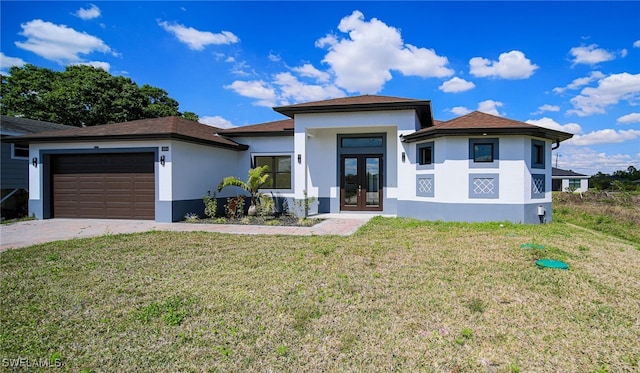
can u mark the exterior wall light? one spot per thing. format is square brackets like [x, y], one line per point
[34, 162]
[162, 160]
[299, 158]
[404, 156]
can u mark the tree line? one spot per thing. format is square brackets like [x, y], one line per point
[620, 180]
[82, 96]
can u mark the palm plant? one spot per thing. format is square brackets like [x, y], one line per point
[257, 178]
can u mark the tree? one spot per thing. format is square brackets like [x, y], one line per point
[257, 178]
[82, 95]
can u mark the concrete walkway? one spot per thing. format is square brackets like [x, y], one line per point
[33, 232]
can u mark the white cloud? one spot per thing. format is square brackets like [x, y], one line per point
[590, 55]
[629, 118]
[293, 90]
[196, 39]
[605, 136]
[589, 161]
[623, 53]
[460, 110]
[510, 65]
[309, 71]
[6, 62]
[363, 61]
[455, 85]
[549, 123]
[610, 91]
[580, 82]
[636, 44]
[547, 107]
[216, 121]
[97, 64]
[257, 89]
[490, 107]
[90, 13]
[274, 57]
[59, 43]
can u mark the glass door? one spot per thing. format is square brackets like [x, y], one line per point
[361, 182]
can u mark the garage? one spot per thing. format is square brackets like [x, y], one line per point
[104, 186]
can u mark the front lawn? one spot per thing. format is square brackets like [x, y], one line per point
[399, 295]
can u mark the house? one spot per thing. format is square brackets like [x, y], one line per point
[14, 160]
[363, 154]
[564, 180]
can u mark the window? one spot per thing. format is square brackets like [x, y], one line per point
[537, 154]
[484, 153]
[361, 142]
[574, 183]
[19, 151]
[425, 153]
[279, 171]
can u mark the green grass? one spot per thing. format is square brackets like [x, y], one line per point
[399, 295]
[614, 214]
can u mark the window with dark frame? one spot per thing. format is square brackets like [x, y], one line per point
[483, 152]
[426, 155]
[574, 183]
[279, 171]
[538, 154]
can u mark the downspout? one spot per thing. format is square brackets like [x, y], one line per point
[556, 146]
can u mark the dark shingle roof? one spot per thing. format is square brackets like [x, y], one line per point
[144, 129]
[362, 103]
[561, 172]
[479, 123]
[15, 126]
[276, 128]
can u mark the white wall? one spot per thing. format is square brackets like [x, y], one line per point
[451, 169]
[316, 140]
[198, 169]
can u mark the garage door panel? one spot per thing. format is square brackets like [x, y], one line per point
[118, 186]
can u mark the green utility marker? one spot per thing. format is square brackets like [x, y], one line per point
[551, 263]
[531, 246]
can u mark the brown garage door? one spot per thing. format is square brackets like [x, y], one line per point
[112, 186]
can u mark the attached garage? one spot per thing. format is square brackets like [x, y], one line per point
[104, 185]
[149, 169]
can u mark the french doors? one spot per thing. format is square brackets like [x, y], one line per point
[361, 182]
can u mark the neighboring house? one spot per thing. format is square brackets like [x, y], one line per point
[375, 154]
[14, 173]
[563, 180]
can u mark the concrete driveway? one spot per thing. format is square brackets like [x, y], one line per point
[33, 232]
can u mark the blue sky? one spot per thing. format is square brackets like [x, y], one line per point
[573, 66]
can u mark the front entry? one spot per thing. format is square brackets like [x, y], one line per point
[361, 182]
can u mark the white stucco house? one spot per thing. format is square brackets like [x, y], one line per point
[565, 180]
[369, 154]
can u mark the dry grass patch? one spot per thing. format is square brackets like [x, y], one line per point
[398, 295]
